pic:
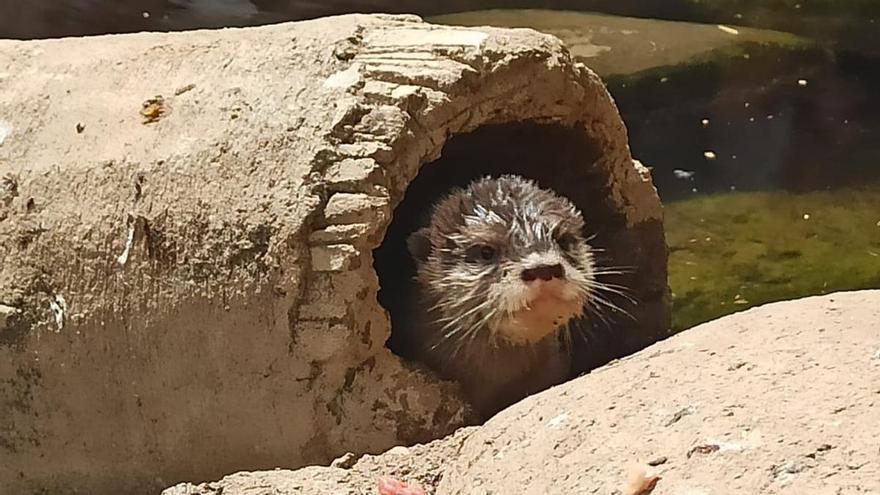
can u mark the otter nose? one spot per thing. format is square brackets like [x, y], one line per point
[543, 272]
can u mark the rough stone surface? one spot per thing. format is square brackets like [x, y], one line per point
[180, 315]
[334, 258]
[344, 208]
[780, 399]
[339, 233]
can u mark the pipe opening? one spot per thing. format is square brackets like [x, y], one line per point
[558, 158]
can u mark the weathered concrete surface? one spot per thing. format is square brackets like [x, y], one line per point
[780, 399]
[186, 232]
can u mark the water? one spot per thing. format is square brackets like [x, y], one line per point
[763, 146]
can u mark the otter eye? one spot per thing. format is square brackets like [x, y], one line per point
[566, 241]
[487, 253]
[481, 252]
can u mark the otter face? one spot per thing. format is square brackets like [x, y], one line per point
[507, 256]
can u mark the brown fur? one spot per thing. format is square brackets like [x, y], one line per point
[481, 323]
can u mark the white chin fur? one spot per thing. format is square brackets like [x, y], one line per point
[534, 312]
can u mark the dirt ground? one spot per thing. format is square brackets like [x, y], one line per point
[779, 399]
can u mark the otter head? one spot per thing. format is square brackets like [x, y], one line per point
[506, 257]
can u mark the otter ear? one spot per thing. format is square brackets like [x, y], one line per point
[419, 244]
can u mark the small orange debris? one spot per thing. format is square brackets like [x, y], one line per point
[639, 483]
[153, 109]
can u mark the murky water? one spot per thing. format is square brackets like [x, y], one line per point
[764, 146]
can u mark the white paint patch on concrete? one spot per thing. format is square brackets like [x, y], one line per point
[58, 306]
[122, 259]
[557, 421]
[728, 446]
[5, 130]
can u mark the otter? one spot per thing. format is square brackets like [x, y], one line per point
[502, 270]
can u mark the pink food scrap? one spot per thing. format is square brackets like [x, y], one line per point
[389, 486]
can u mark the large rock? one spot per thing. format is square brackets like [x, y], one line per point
[781, 399]
[187, 224]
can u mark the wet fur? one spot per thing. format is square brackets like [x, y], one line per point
[464, 329]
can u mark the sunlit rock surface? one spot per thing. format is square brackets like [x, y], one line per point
[781, 399]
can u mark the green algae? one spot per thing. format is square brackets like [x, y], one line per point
[732, 251]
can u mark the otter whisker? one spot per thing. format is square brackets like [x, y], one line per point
[463, 317]
[458, 305]
[610, 305]
[457, 317]
[453, 337]
[613, 289]
[470, 334]
[612, 272]
[612, 285]
[480, 324]
[581, 326]
[567, 332]
[596, 310]
[602, 268]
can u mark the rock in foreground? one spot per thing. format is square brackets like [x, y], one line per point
[784, 398]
